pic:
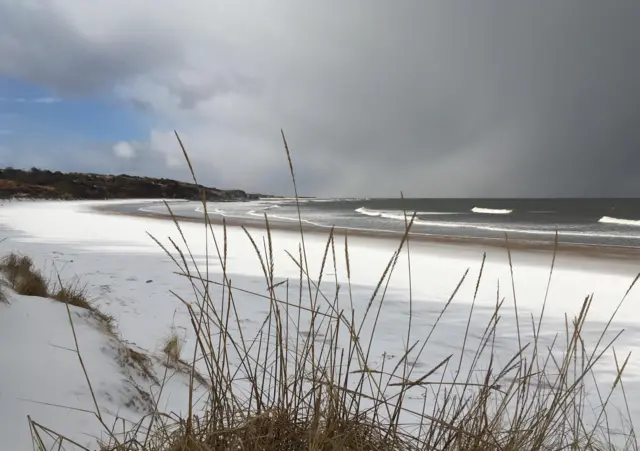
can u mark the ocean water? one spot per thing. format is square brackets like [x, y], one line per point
[605, 222]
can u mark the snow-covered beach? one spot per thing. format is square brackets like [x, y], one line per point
[131, 278]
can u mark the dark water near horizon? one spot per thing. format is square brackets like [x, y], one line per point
[611, 222]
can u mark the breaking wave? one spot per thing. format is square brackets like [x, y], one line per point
[365, 211]
[500, 229]
[490, 211]
[452, 223]
[215, 211]
[627, 222]
[262, 212]
[382, 214]
[399, 214]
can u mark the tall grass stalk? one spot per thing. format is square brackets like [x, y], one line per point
[307, 378]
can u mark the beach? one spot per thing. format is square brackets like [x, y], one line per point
[131, 278]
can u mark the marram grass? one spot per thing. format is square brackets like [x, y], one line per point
[319, 390]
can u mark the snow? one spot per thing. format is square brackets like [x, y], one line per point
[130, 278]
[42, 377]
[436, 268]
[39, 366]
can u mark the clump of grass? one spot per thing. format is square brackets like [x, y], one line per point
[76, 294]
[172, 347]
[307, 379]
[138, 357]
[25, 279]
[22, 277]
[135, 360]
[274, 429]
[73, 294]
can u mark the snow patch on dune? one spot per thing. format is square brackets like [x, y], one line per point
[46, 381]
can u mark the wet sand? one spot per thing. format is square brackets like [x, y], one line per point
[626, 254]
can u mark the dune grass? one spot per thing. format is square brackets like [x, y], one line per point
[72, 294]
[307, 380]
[135, 360]
[172, 348]
[24, 278]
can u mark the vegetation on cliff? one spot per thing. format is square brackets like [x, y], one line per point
[44, 184]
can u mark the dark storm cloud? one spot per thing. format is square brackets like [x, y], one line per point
[527, 98]
[435, 98]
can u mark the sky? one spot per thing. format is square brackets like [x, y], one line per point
[447, 98]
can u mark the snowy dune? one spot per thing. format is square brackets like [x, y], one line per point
[130, 277]
[42, 378]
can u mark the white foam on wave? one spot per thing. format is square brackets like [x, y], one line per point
[491, 211]
[383, 214]
[544, 232]
[282, 218]
[215, 211]
[496, 228]
[627, 222]
[365, 211]
[399, 214]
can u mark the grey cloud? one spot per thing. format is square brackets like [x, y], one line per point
[39, 44]
[557, 79]
[45, 100]
[435, 98]
[192, 94]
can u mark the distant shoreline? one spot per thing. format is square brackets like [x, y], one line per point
[620, 253]
[45, 184]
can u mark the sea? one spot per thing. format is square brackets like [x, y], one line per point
[598, 222]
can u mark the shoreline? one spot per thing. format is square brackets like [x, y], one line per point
[618, 253]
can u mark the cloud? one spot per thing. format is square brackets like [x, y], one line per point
[124, 150]
[46, 100]
[435, 98]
